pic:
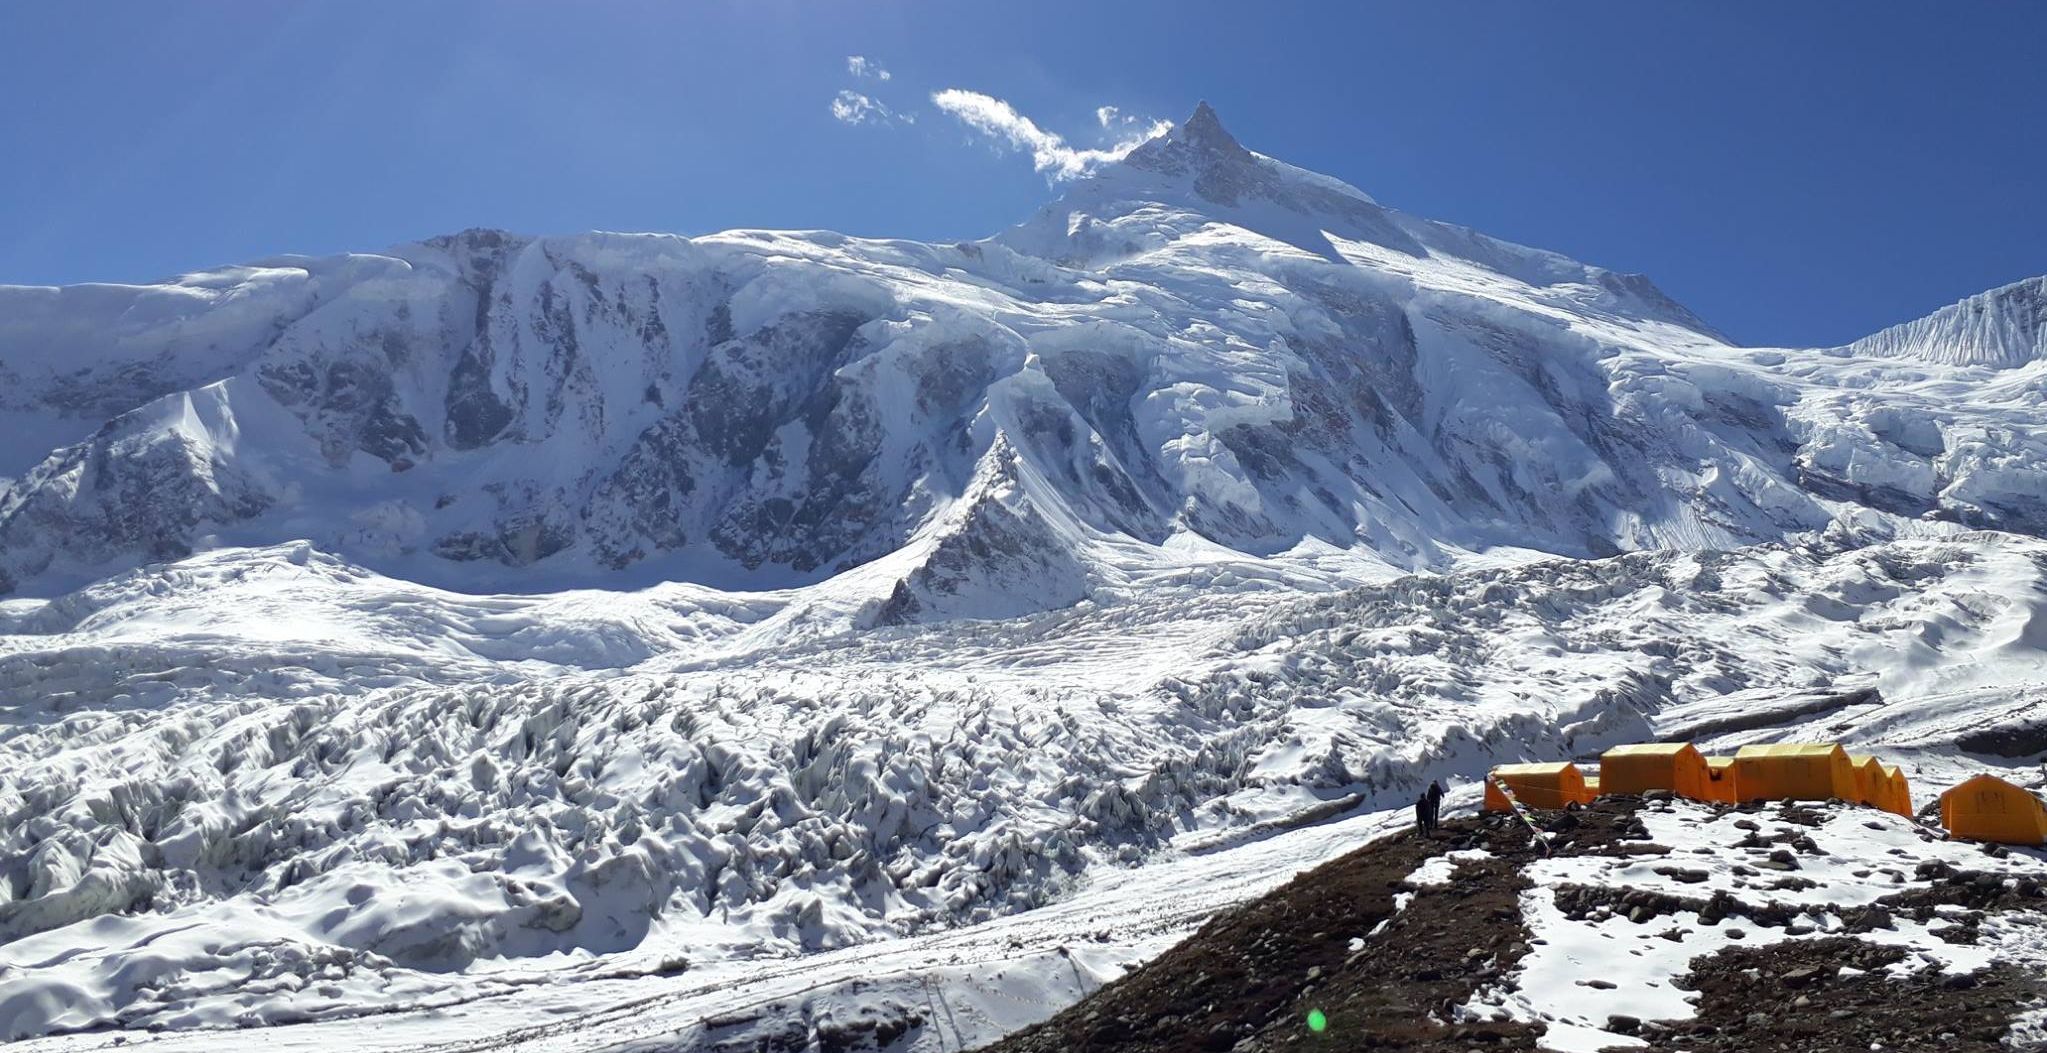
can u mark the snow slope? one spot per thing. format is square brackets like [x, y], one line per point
[660, 627]
[1197, 346]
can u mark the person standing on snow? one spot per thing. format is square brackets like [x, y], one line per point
[1421, 815]
[1435, 796]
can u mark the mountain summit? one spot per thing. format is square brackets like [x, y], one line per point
[1197, 174]
[1199, 145]
[1195, 348]
[1204, 128]
[1194, 172]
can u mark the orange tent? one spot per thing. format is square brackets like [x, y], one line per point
[1536, 786]
[1987, 808]
[1721, 785]
[1592, 790]
[1872, 783]
[1901, 791]
[1675, 766]
[1794, 771]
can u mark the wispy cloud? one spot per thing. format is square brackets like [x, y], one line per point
[861, 66]
[859, 107]
[853, 107]
[1050, 152]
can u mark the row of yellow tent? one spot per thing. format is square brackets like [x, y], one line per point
[1982, 808]
[1755, 773]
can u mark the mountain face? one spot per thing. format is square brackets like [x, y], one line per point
[2005, 328]
[1016, 605]
[1197, 346]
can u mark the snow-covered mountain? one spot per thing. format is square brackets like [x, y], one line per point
[2005, 328]
[483, 633]
[1197, 346]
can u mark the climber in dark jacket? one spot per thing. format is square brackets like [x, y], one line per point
[1421, 815]
[1435, 796]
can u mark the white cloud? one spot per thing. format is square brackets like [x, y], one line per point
[1049, 152]
[852, 107]
[858, 107]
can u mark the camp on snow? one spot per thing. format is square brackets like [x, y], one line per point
[1982, 808]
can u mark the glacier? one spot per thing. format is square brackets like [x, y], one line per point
[626, 626]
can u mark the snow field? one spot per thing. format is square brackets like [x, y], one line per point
[1860, 855]
[245, 826]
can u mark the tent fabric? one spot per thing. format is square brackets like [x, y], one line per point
[1674, 766]
[1901, 791]
[1537, 786]
[1872, 782]
[1881, 785]
[1987, 808]
[1721, 786]
[1798, 771]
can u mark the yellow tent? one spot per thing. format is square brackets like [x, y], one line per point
[1537, 785]
[1801, 771]
[1872, 783]
[1721, 785]
[1987, 808]
[1901, 791]
[1675, 766]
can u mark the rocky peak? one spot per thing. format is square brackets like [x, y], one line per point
[1202, 148]
[1203, 133]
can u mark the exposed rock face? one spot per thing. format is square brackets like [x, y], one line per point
[1198, 342]
[141, 487]
[997, 558]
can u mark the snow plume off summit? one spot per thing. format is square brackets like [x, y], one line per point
[788, 624]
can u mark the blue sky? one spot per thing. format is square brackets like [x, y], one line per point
[1797, 176]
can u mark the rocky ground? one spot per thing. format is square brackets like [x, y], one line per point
[1450, 944]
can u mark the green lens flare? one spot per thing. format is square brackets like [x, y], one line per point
[1317, 1022]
